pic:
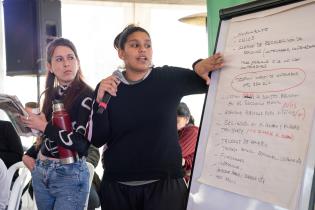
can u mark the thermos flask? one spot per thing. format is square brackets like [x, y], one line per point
[61, 119]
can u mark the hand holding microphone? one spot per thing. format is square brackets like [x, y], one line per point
[108, 88]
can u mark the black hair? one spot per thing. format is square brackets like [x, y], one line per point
[121, 38]
[183, 111]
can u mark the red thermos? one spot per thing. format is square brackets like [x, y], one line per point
[61, 118]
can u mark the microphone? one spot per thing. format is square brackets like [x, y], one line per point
[103, 104]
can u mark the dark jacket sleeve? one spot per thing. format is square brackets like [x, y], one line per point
[185, 81]
[100, 124]
[32, 151]
[13, 151]
[15, 144]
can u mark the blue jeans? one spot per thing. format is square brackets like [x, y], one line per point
[60, 186]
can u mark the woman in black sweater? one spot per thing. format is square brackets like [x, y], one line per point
[143, 157]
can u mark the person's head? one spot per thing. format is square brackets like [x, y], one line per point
[134, 48]
[63, 63]
[63, 68]
[183, 116]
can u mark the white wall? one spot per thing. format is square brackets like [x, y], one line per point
[174, 43]
[92, 26]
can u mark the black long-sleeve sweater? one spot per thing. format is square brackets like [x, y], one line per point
[139, 126]
[11, 149]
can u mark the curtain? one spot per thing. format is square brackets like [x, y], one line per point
[213, 8]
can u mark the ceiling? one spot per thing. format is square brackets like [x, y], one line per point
[181, 2]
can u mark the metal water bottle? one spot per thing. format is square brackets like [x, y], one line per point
[61, 119]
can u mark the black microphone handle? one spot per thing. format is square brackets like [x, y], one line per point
[103, 104]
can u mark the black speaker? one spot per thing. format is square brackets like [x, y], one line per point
[29, 25]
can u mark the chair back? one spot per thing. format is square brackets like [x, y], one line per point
[18, 185]
[4, 185]
[91, 170]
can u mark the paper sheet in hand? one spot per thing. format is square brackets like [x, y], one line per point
[12, 106]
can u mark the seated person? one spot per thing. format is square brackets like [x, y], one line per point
[187, 134]
[11, 150]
